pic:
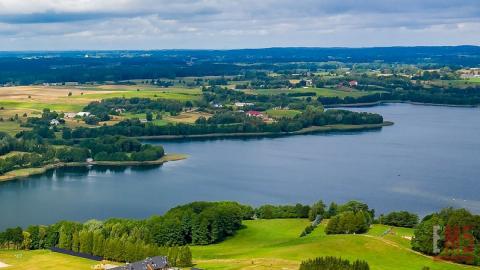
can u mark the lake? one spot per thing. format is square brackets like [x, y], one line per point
[428, 160]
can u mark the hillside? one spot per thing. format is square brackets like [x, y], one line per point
[275, 244]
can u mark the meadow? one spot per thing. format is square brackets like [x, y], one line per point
[275, 244]
[43, 259]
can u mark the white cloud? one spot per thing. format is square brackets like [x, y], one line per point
[151, 24]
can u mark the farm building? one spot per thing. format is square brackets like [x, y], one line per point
[54, 122]
[70, 115]
[82, 114]
[243, 104]
[155, 263]
[353, 83]
[254, 114]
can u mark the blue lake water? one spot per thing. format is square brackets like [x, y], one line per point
[428, 160]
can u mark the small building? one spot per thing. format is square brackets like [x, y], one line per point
[83, 114]
[353, 83]
[243, 104]
[54, 122]
[69, 115]
[309, 83]
[155, 263]
[254, 114]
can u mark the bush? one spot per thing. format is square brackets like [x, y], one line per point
[348, 223]
[332, 263]
[399, 219]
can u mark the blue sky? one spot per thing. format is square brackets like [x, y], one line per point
[226, 24]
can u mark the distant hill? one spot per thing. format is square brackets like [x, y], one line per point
[83, 66]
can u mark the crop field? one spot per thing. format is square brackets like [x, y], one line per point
[73, 99]
[275, 244]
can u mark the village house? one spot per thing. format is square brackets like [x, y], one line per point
[83, 114]
[69, 115]
[243, 104]
[309, 83]
[54, 122]
[254, 114]
[353, 83]
[155, 263]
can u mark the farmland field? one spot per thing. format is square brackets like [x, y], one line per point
[73, 99]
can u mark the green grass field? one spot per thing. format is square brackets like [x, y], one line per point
[324, 92]
[272, 244]
[43, 259]
[282, 113]
[275, 244]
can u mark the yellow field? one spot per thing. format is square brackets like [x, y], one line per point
[73, 99]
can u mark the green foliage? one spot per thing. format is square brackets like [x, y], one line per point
[399, 219]
[282, 211]
[333, 263]
[348, 222]
[457, 220]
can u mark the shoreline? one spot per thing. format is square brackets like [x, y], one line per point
[309, 130]
[27, 172]
[381, 102]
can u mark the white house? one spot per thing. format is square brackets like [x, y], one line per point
[69, 115]
[54, 122]
[83, 114]
[243, 104]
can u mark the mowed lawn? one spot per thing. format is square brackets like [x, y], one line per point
[282, 113]
[275, 244]
[43, 259]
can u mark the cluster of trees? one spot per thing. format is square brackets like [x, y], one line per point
[27, 152]
[113, 106]
[459, 235]
[399, 219]
[333, 263]
[118, 148]
[282, 211]
[127, 240]
[351, 217]
[134, 127]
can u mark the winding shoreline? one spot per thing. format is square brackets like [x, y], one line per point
[309, 130]
[23, 173]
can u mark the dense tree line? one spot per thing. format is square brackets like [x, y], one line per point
[453, 96]
[136, 128]
[127, 240]
[399, 219]
[333, 263]
[459, 232]
[37, 152]
[113, 106]
[282, 211]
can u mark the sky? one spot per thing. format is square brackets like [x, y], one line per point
[229, 24]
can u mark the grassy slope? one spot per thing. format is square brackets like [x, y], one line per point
[274, 244]
[43, 259]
